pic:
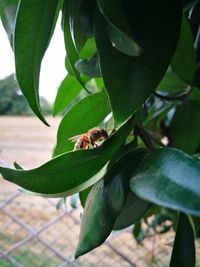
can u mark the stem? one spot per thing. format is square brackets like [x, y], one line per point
[180, 97]
[144, 136]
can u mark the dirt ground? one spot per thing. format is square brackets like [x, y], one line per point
[26, 140]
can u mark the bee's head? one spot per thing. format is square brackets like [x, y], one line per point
[104, 133]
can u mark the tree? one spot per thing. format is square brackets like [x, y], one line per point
[12, 102]
[139, 63]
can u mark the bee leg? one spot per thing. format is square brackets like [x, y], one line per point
[113, 131]
[93, 143]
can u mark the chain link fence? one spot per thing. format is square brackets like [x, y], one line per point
[34, 233]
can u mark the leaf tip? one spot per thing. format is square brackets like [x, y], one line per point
[54, 113]
[38, 112]
[84, 246]
[44, 121]
[79, 252]
[17, 166]
[76, 256]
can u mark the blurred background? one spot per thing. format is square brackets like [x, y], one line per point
[33, 231]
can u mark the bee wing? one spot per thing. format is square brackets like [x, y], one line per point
[75, 138]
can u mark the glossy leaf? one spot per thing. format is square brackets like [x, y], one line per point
[81, 21]
[138, 233]
[184, 59]
[67, 91]
[8, 10]
[189, 5]
[83, 195]
[86, 114]
[17, 166]
[104, 203]
[170, 178]
[89, 67]
[120, 33]
[185, 127]
[195, 13]
[195, 94]
[72, 53]
[70, 172]
[123, 43]
[133, 210]
[89, 49]
[127, 148]
[61, 202]
[158, 111]
[171, 83]
[34, 26]
[95, 221]
[129, 81]
[68, 66]
[183, 253]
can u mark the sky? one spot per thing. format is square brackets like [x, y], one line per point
[52, 69]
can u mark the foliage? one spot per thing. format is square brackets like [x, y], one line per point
[138, 62]
[12, 102]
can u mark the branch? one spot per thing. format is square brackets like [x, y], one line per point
[144, 136]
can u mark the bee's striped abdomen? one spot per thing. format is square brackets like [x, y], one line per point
[82, 142]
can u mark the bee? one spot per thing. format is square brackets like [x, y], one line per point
[85, 140]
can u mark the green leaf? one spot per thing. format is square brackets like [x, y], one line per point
[89, 49]
[97, 220]
[185, 127]
[158, 111]
[133, 210]
[194, 12]
[195, 94]
[68, 66]
[188, 6]
[61, 202]
[86, 114]
[129, 81]
[72, 53]
[170, 178]
[34, 26]
[17, 166]
[123, 43]
[183, 253]
[196, 226]
[83, 195]
[70, 172]
[138, 233]
[120, 33]
[8, 10]
[171, 83]
[184, 59]
[67, 91]
[104, 203]
[81, 21]
[89, 67]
